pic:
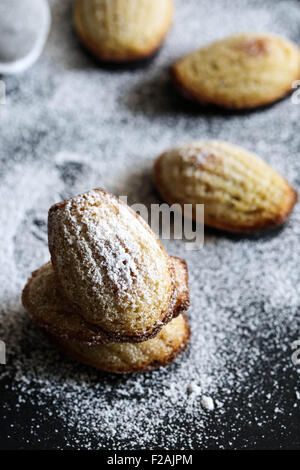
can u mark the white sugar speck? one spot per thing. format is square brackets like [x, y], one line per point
[207, 403]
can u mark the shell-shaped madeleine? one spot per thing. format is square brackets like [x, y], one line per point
[132, 357]
[110, 266]
[241, 71]
[51, 311]
[123, 30]
[239, 191]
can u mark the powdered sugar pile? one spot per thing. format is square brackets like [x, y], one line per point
[69, 126]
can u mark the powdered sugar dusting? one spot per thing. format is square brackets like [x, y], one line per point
[118, 255]
[98, 246]
[69, 126]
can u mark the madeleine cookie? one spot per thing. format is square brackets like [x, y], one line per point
[132, 357]
[53, 314]
[239, 191]
[123, 30]
[111, 267]
[242, 71]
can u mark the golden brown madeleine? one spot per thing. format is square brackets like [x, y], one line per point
[123, 30]
[111, 267]
[182, 286]
[239, 191]
[132, 357]
[242, 71]
[53, 314]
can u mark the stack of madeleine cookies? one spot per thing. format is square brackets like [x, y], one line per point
[111, 297]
